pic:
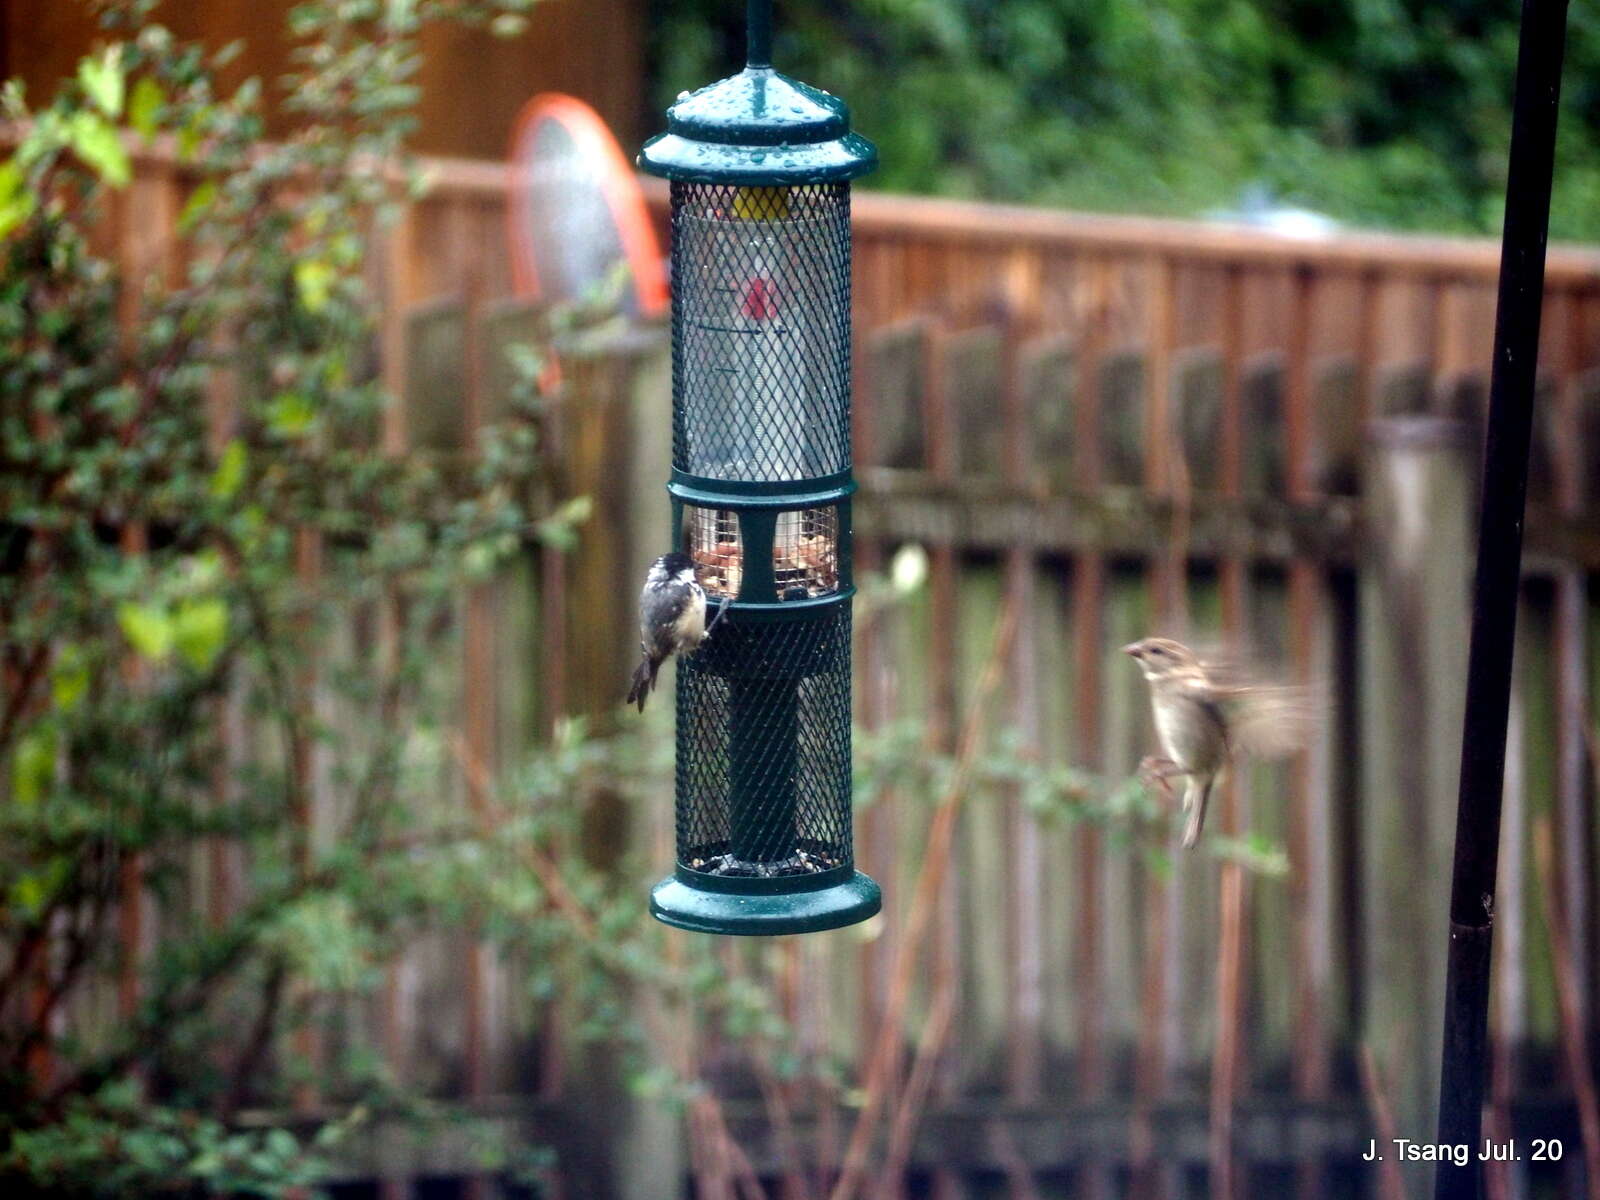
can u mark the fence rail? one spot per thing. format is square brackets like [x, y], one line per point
[1113, 427]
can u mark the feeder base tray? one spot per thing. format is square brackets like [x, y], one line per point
[674, 902]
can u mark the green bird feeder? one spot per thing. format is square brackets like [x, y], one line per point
[760, 166]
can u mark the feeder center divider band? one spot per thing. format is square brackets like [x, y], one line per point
[760, 493]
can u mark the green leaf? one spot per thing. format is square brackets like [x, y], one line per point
[400, 15]
[144, 106]
[189, 138]
[13, 99]
[32, 891]
[16, 201]
[290, 414]
[559, 528]
[102, 81]
[202, 572]
[95, 140]
[147, 628]
[49, 134]
[225, 480]
[28, 893]
[69, 678]
[199, 200]
[199, 628]
[33, 766]
[314, 279]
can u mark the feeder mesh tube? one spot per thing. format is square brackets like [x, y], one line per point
[761, 357]
[761, 278]
[763, 762]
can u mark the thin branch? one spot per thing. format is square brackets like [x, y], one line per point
[935, 1032]
[734, 1166]
[32, 671]
[156, 1016]
[1018, 1175]
[782, 1123]
[72, 955]
[255, 1047]
[1391, 1184]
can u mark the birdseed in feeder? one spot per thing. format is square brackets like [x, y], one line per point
[805, 552]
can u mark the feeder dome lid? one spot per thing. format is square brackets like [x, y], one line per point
[759, 129]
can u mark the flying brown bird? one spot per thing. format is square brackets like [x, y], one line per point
[1203, 721]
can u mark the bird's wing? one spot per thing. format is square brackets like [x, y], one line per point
[1204, 696]
[1270, 721]
[659, 610]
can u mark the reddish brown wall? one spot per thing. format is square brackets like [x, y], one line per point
[473, 83]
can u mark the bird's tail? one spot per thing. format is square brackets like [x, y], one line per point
[644, 680]
[1196, 793]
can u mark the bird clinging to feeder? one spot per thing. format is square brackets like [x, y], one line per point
[672, 619]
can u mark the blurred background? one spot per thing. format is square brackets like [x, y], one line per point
[326, 839]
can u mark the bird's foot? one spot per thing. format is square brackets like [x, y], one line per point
[716, 620]
[1157, 773]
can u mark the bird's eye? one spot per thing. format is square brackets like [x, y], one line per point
[1157, 650]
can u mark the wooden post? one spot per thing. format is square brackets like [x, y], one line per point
[1167, 609]
[1308, 823]
[1025, 985]
[1227, 1058]
[1088, 599]
[1573, 791]
[616, 449]
[597, 431]
[1414, 586]
[394, 284]
[145, 213]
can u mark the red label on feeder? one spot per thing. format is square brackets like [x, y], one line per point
[760, 300]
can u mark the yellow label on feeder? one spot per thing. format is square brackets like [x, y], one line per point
[761, 203]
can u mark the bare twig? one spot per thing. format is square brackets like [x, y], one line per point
[543, 867]
[935, 1031]
[72, 953]
[723, 1169]
[1018, 1175]
[1497, 1174]
[782, 1122]
[1391, 1184]
[21, 687]
[248, 1062]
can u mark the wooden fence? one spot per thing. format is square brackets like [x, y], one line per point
[1111, 427]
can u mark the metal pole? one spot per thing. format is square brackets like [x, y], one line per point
[1495, 588]
[758, 33]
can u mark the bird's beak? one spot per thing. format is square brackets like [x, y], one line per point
[1135, 649]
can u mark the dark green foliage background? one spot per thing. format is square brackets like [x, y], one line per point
[1392, 113]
